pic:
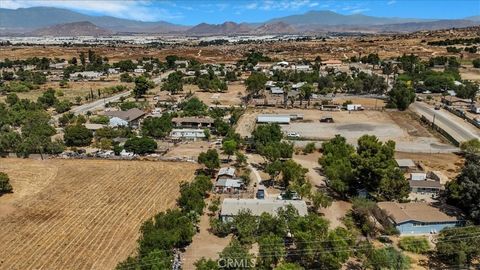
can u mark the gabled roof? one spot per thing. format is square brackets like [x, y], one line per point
[199, 120]
[425, 184]
[130, 115]
[227, 171]
[415, 211]
[231, 207]
[229, 182]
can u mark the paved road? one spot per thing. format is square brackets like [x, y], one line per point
[456, 127]
[100, 104]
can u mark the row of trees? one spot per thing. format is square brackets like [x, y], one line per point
[160, 235]
[370, 167]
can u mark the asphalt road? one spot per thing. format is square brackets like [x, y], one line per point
[459, 129]
[100, 104]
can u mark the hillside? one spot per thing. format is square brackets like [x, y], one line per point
[219, 29]
[275, 28]
[13, 20]
[72, 29]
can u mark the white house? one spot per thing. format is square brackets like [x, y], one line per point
[189, 134]
[232, 207]
[354, 107]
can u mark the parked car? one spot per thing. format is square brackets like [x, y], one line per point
[437, 107]
[293, 135]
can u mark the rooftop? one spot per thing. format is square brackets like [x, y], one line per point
[231, 207]
[201, 120]
[227, 171]
[130, 115]
[425, 184]
[405, 162]
[415, 211]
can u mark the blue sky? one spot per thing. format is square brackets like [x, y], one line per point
[191, 12]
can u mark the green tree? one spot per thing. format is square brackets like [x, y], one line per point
[271, 250]
[464, 191]
[476, 63]
[229, 147]
[255, 83]
[459, 247]
[157, 127]
[320, 200]
[471, 147]
[289, 266]
[210, 159]
[206, 264]
[235, 257]
[174, 83]
[388, 258]
[5, 186]
[77, 135]
[401, 96]
[306, 92]
[246, 225]
[48, 98]
[142, 84]
[194, 107]
[141, 145]
[414, 244]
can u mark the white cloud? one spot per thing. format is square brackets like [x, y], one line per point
[391, 2]
[138, 10]
[358, 11]
[280, 4]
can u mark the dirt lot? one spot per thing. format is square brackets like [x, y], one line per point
[231, 98]
[448, 164]
[81, 214]
[188, 149]
[408, 135]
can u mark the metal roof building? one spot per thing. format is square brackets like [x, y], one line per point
[272, 118]
[232, 207]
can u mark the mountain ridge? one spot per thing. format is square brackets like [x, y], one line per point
[13, 21]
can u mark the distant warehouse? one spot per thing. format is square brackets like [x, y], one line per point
[277, 118]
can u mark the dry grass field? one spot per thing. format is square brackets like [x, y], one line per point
[73, 90]
[81, 214]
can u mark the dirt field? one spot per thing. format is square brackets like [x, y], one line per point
[81, 214]
[231, 98]
[409, 135]
[448, 164]
[73, 90]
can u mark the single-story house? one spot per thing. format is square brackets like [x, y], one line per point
[426, 186]
[91, 75]
[405, 164]
[226, 172]
[131, 117]
[183, 63]
[232, 207]
[418, 217]
[193, 122]
[229, 185]
[188, 133]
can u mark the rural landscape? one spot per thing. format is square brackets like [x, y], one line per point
[217, 135]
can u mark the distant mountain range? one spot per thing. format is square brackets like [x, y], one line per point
[72, 29]
[59, 22]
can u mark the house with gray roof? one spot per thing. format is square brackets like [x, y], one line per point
[232, 207]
